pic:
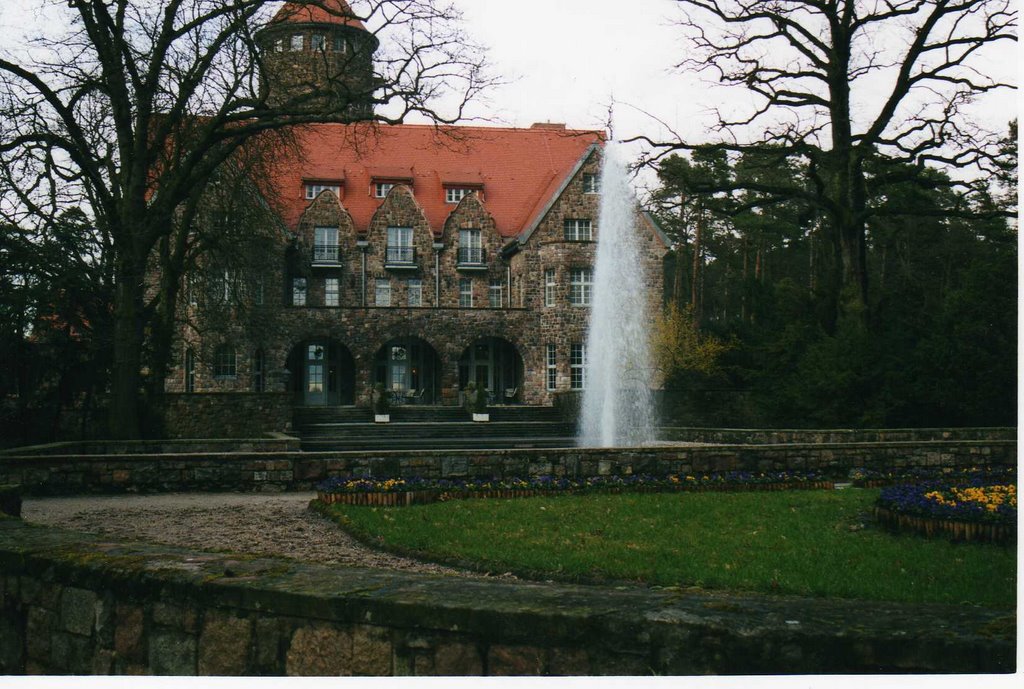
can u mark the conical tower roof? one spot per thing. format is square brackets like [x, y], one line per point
[318, 12]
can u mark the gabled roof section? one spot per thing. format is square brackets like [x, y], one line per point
[318, 12]
[520, 171]
[658, 231]
[542, 208]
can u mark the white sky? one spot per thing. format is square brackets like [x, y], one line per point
[566, 60]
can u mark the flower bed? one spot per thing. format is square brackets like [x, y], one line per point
[412, 491]
[977, 510]
[875, 478]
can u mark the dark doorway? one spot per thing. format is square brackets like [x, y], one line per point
[323, 373]
[410, 370]
[494, 364]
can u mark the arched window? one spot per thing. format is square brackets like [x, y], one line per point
[259, 366]
[190, 370]
[224, 362]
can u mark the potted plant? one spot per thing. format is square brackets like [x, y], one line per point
[475, 401]
[381, 404]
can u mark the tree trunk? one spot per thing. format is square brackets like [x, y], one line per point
[161, 340]
[678, 278]
[745, 287]
[844, 165]
[812, 282]
[696, 274]
[881, 272]
[854, 290]
[125, 419]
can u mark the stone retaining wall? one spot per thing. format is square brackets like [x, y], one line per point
[226, 414]
[272, 442]
[60, 475]
[760, 436]
[77, 604]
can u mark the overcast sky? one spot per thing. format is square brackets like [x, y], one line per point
[566, 60]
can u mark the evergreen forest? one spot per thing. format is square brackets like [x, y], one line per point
[752, 336]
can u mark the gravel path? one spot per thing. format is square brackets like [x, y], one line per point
[277, 524]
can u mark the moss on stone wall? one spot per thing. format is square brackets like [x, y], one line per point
[74, 603]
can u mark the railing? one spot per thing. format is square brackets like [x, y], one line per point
[400, 255]
[471, 255]
[325, 253]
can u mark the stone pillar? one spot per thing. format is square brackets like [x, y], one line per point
[363, 379]
[449, 375]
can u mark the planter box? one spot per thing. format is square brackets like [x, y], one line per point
[382, 418]
[481, 417]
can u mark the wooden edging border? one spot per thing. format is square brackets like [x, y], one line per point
[956, 530]
[886, 482]
[423, 497]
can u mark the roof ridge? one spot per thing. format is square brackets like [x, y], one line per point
[317, 12]
[567, 133]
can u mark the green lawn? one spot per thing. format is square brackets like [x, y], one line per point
[820, 543]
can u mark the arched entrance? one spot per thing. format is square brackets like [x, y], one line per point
[410, 370]
[322, 373]
[494, 363]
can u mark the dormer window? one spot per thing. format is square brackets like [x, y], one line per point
[382, 189]
[313, 189]
[296, 43]
[456, 194]
[591, 183]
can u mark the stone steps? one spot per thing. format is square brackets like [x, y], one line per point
[431, 427]
[497, 443]
[438, 430]
[420, 414]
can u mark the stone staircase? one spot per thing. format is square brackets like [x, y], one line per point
[423, 427]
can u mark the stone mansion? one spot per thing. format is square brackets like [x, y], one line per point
[419, 257]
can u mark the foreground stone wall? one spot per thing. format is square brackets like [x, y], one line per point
[73, 603]
[69, 474]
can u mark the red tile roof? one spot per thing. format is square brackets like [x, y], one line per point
[520, 169]
[324, 12]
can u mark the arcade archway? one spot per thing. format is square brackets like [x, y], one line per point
[410, 370]
[322, 373]
[495, 364]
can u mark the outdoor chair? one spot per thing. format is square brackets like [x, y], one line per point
[510, 394]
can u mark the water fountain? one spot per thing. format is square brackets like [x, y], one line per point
[617, 406]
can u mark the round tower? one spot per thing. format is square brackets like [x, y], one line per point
[319, 56]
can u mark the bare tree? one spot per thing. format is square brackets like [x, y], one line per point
[133, 110]
[861, 93]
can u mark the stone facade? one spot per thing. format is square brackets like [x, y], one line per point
[521, 315]
[414, 257]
